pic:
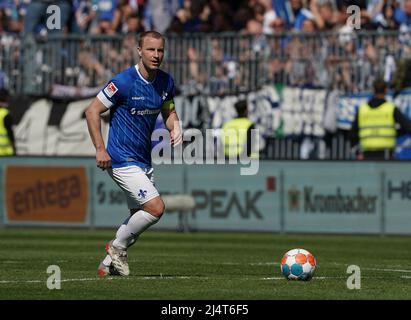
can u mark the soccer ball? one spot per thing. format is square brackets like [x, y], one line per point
[298, 264]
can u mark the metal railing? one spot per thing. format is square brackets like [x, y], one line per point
[213, 63]
[217, 65]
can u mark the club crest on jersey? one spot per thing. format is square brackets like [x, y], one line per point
[142, 193]
[110, 89]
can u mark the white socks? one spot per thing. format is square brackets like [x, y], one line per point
[130, 230]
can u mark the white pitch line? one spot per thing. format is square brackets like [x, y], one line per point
[41, 281]
[198, 277]
[173, 277]
[40, 261]
[387, 270]
[140, 278]
[246, 263]
[375, 269]
[21, 281]
[160, 277]
[318, 278]
[382, 269]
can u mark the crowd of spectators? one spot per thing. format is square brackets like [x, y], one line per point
[233, 46]
[178, 16]
[267, 46]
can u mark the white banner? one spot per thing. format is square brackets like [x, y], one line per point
[48, 127]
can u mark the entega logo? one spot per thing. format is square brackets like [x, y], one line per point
[40, 193]
[332, 203]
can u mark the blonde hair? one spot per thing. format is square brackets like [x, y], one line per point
[152, 34]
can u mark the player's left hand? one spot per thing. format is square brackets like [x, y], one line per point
[176, 136]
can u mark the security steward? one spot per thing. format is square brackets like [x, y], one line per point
[376, 125]
[7, 142]
[236, 134]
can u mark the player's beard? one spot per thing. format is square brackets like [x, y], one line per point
[155, 65]
[150, 68]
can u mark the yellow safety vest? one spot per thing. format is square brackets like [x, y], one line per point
[234, 137]
[377, 127]
[6, 148]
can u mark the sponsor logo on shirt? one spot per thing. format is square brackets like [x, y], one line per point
[144, 112]
[110, 89]
[138, 98]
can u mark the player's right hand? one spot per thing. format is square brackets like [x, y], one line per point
[103, 159]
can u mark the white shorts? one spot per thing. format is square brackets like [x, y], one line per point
[137, 184]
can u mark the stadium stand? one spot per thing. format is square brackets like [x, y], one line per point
[308, 65]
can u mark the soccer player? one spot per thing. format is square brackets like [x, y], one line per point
[134, 97]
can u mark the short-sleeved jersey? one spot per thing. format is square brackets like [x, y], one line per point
[134, 107]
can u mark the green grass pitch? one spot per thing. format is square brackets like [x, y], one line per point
[201, 265]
